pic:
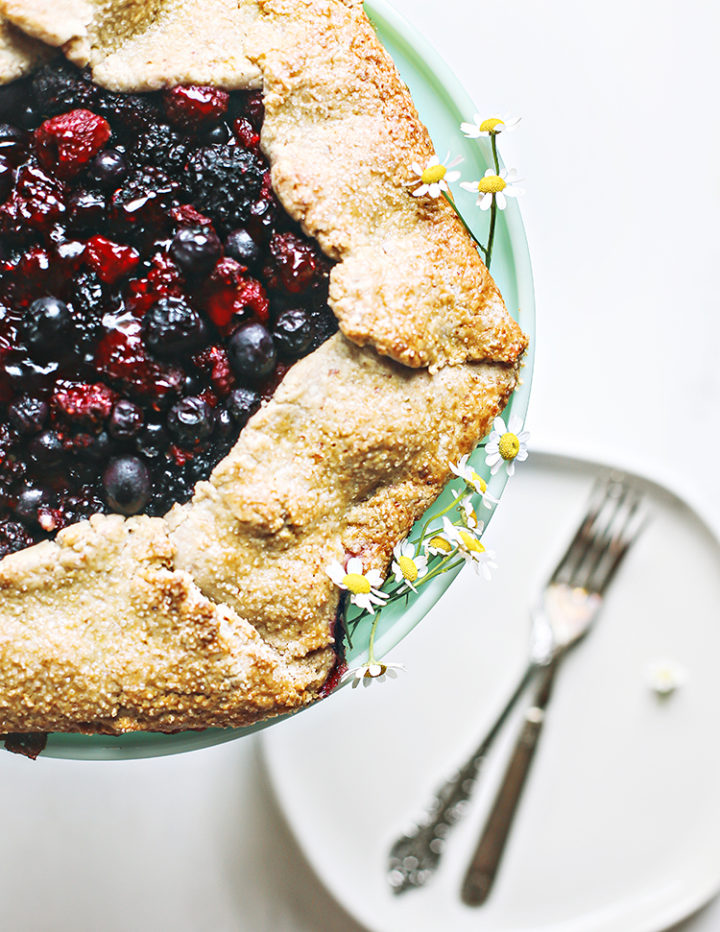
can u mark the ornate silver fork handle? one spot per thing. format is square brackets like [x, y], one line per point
[414, 857]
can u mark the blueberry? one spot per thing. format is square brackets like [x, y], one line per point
[28, 415]
[48, 321]
[196, 250]
[127, 484]
[25, 375]
[240, 246]
[93, 447]
[252, 353]
[218, 134]
[108, 168]
[153, 440]
[242, 403]
[46, 450]
[293, 333]
[87, 210]
[191, 421]
[13, 142]
[29, 503]
[126, 420]
[173, 328]
[29, 117]
[6, 177]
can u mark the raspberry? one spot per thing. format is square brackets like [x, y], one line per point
[214, 362]
[121, 356]
[294, 264]
[186, 216]
[194, 104]
[228, 292]
[67, 142]
[110, 261]
[37, 202]
[246, 134]
[84, 404]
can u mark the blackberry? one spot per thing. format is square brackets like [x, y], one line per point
[130, 112]
[224, 181]
[161, 146]
[28, 415]
[87, 306]
[13, 537]
[59, 86]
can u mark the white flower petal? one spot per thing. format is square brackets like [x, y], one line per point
[469, 185]
[485, 202]
[501, 200]
[452, 176]
[515, 422]
[355, 565]
[418, 192]
[499, 426]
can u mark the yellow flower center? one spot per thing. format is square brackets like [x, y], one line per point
[509, 446]
[491, 184]
[356, 583]
[439, 543]
[471, 543]
[433, 174]
[479, 482]
[490, 126]
[408, 568]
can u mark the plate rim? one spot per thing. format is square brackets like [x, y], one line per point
[706, 885]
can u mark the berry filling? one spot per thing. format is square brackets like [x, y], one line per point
[153, 293]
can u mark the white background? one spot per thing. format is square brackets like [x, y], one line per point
[620, 151]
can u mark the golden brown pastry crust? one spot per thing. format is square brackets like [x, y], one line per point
[222, 613]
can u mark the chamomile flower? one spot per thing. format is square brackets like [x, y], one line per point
[468, 515]
[665, 676]
[363, 586]
[473, 481]
[371, 671]
[506, 444]
[471, 548]
[440, 544]
[492, 187]
[433, 178]
[408, 565]
[490, 126]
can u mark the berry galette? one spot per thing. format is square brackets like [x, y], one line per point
[234, 348]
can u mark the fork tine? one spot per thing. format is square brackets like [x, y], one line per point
[621, 499]
[623, 545]
[578, 545]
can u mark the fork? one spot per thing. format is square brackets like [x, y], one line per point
[569, 603]
[416, 854]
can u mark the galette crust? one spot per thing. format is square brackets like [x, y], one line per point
[222, 613]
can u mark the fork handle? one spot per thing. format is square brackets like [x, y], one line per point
[484, 865]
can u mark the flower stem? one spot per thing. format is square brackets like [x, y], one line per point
[423, 533]
[371, 643]
[493, 206]
[477, 242]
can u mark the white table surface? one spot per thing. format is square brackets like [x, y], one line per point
[619, 147]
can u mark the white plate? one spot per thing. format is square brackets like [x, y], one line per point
[619, 826]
